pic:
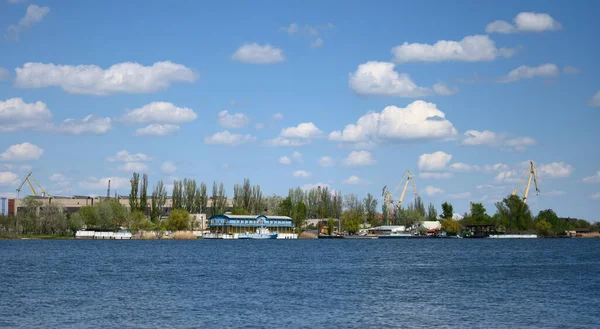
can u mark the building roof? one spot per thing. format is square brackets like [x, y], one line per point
[252, 216]
[388, 228]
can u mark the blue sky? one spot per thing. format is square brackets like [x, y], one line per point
[462, 95]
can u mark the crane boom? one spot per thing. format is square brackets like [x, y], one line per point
[23, 182]
[44, 192]
[532, 174]
[31, 187]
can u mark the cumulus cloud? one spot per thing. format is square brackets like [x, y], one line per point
[33, 15]
[435, 175]
[326, 161]
[56, 178]
[232, 120]
[464, 167]
[508, 176]
[257, 54]
[529, 72]
[93, 80]
[125, 156]
[431, 191]
[441, 88]
[22, 152]
[418, 121]
[301, 174]
[133, 167]
[16, 114]
[474, 48]
[168, 167]
[89, 124]
[228, 139]
[595, 101]
[595, 196]
[434, 161]
[359, 159]
[556, 170]
[259, 126]
[493, 139]
[352, 180]
[317, 43]
[293, 28]
[285, 160]
[592, 179]
[525, 22]
[8, 178]
[297, 156]
[157, 130]
[307, 187]
[159, 112]
[277, 117]
[300, 135]
[380, 79]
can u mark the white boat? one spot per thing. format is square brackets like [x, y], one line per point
[513, 236]
[261, 233]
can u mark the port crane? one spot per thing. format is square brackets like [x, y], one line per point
[28, 180]
[408, 177]
[532, 172]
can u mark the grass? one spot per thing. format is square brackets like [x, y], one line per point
[35, 237]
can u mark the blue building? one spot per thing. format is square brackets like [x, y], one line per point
[232, 224]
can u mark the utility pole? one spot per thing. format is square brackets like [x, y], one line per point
[108, 191]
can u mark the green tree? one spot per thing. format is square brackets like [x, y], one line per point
[285, 207]
[559, 227]
[133, 194]
[300, 215]
[239, 211]
[159, 199]
[431, 212]
[330, 226]
[144, 195]
[179, 220]
[514, 214]
[450, 225]
[352, 220]
[203, 199]
[478, 214]
[76, 222]
[88, 215]
[370, 206]
[189, 194]
[447, 210]
[543, 227]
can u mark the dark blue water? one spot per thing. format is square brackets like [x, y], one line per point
[549, 283]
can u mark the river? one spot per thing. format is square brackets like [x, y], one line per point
[444, 283]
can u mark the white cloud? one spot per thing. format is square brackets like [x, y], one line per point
[293, 28]
[22, 152]
[434, 161]
[490, 138]
[554, 193]
[595, 101]
[277, 116]
[93, 80]
[228, 139]
[307, 187]
[89, 124]
[12, 2]
[285, 160]
[435, 175]
[285, 142]
[125, 156]
[4, 74]
[259, 126]
[595, 196]
[94, 184]
[168, 167]
[8, 166]
[232, 120]
[431, 191]
[529, 72]
[317, 43]
[556, 170]
[7, 178]
[525, 22]
[380, 79]
[301, 174]
[297, 156]
[306, 130]
[33, 15]
[296, 136]
[326, 161]
[508, 176]
[257, 54]
[592, 179]
[159, 112]
[418, 121]
[474, 48]
[463, 195]
[352, 180]
[570, 70]
[15, 114]
[57, 178]
[441, 88]
[358, 159]
[157, 130]
[133, 167]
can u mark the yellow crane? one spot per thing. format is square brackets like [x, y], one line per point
[409, 177]
[532, 172]
[29, 176]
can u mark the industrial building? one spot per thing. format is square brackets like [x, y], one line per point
[236, 224]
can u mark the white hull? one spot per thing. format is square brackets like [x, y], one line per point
[513, 236]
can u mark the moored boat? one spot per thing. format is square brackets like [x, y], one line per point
[261, 233]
